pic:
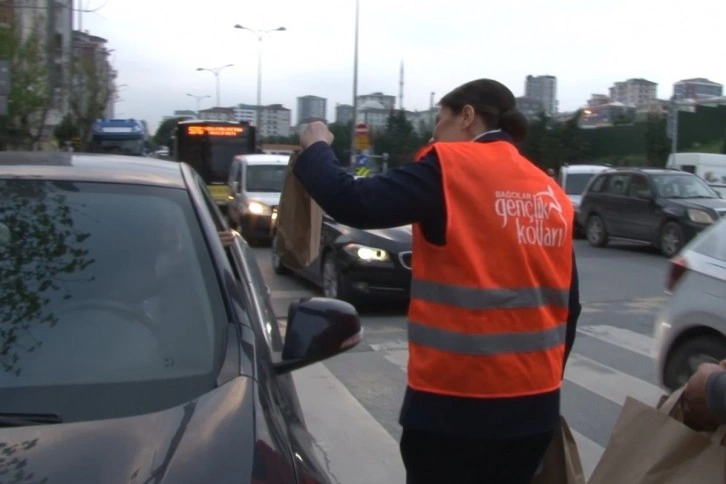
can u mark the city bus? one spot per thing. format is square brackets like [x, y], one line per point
[209, 147]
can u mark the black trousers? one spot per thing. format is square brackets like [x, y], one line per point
[441, 459]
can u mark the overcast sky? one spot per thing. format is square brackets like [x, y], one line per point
[587, 44]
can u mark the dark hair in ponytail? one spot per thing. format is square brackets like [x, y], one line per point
[493, 102]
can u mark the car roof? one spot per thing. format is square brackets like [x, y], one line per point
[648, 171]
[56, 165]
[584, 168]
[263, 159]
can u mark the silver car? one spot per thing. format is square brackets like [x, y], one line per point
[691, 328]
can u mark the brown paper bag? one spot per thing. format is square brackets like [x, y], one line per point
[561, 464]
[299, 221]
[652, 446]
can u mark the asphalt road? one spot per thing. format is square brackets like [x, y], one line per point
[621, 290]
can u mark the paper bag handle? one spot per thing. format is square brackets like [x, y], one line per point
[672, 402]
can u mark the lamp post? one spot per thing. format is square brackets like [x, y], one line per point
[215, 71]
[198, 99]
[260, 35]
[355, 87]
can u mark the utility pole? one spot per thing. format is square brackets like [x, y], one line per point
[355, 87]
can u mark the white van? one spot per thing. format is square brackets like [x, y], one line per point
[709, 166]
[573, 179]
[255, 185]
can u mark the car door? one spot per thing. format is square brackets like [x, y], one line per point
[639, 218]
[613, 204]
[288, 414]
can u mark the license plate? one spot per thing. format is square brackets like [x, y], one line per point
[219, 192]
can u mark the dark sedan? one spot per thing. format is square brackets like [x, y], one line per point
[136, 347]
[358, 265]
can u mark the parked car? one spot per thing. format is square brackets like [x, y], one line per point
[135, 346]
[574, 179]
[691, 328]
[356, 265]
[662, 207]
[255, 185]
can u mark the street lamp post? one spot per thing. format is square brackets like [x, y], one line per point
[260, 35]
[198, 99]
[215, 71]
[355, 87]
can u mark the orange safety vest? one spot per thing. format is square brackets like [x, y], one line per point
[488, 310]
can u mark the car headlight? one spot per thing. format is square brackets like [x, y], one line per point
[258, 208]
[367, 254]
[700, 216]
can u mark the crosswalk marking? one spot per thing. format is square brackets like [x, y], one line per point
[590, 452]
[608, 382]
[625, 338]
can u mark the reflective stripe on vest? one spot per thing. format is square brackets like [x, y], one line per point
[488, 309]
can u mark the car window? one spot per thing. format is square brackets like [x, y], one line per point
[597, 184]
[617, 185]
[713, 242]
[638, 183]
[682, 186]
[575, 183]
[108, 291]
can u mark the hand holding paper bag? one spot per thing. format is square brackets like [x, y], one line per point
[314, 132]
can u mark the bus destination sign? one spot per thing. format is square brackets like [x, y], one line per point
[222, 131]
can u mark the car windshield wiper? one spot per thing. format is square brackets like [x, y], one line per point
[8, 419]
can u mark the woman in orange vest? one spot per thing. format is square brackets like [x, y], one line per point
[494, 292]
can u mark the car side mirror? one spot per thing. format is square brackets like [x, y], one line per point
[644, 194]
[317, 329]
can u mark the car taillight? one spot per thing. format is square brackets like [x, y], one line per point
[678, 269]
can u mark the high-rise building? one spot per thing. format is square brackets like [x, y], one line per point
[343, 113]
[311, 108]
[634, 92]
[544, 89]
[698, 88]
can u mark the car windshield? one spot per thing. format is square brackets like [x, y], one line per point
[110, 303]
[575, 183]
[682, 186]
[265, 178]
[118, 146]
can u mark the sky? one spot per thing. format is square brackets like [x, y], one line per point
[588, 44]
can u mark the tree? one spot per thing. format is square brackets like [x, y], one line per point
[163, 132]
[399, 139]
[657, 144]
[66, 130]
[341, 142]
[29, 99]
[90, 92]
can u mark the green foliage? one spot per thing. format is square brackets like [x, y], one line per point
[657, 144]
[66, 130]
[90, 94]
[341, 141]
[399, 139]
[29, 98]
[165, 130]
